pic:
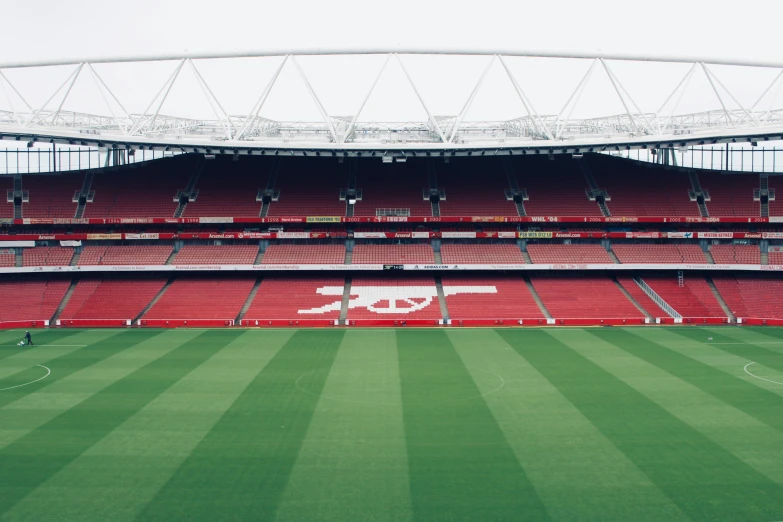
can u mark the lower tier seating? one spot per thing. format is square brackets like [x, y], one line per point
[668, 253]
[216, 254]
[489, 297]
[47, 256]
[393, 254]
[693, 299]
[568, 254]
[748, 296]
[402, 298]
[775, 258]
[115, 298]
[736, 254]
[7, 258]
[296, 298]
[304, 254]
[125, 255]
[481, 254]
[202, 298]
[31, 300]
[583, 296]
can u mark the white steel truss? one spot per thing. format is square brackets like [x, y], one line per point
[727, 120]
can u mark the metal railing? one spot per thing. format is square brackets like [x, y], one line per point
[666, 307]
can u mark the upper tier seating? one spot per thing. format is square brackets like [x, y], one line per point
[747, 296]
[393, 254]
[216, 255]
[296, 298]
[568, 254]
[47, 256]
[202, 298]
[310, 187]
[228, 188]
[51, 196]
[399, 298]
[125, 255]
[651, 253]
[147, 191]
[474, 188]
[736, 254]
[7, 258]
[393, 186]
[776, 207]
[489, 297]
[731, 194]
[693, 299]
[554, 188]
[6, 209]
[583, 297]
[115, 298]
[31, 300]
[638, 189]
[304, 254]
[481, 254]
[775, 258]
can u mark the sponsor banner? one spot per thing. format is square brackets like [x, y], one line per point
[104, 236]
[776, 249]
[215, 220]
[369, 235]
[772, 235]
[568, 234]
[680, 235]
[127, 221]
[324, 219]
[6, 221]
[293, 235]
[642, 235]
[71, 243]
[715, 235]
[507, 235]
[454, 235]
[420, 235]
[775, 219]
[748, 235]
[142, 236]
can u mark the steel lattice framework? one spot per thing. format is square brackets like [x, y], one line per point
[250, 133]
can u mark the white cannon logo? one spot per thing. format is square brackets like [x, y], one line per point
[391, 299]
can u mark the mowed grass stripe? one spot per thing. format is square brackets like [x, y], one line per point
[577, 472]
[37, 456]
[752, 352]
[151, 445]
[76, 359]
[353, 464]
[461, 466]
[752, 400]
[9, 348]
[706, 481]
[241, 468]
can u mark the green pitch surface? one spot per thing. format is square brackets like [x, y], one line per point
[373, 425]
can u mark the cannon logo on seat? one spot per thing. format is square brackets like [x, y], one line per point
[391, 299]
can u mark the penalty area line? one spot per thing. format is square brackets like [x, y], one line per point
[756, 376]
[48, 371]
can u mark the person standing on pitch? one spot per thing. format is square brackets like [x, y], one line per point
[28, 339]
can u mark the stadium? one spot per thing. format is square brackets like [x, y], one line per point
[544, 317]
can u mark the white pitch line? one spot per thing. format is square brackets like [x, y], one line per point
[58, 345]
[756, 376]
[756, 342]
[48, 371]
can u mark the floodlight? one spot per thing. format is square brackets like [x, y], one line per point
[387, 159]
[209, 156]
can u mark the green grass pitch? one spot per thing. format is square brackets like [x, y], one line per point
[599, 424]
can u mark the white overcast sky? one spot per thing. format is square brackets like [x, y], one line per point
[77, 29]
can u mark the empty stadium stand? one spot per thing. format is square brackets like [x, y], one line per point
[228, 188]
[493, 297]
[310, 188]
[474, 188]
[31, 299]
[304, 254]
[693, 299]
[47, 256]
[652, 253]
[6, 207]
[731, 194]
[554, 188]
[736, 254]
[51, 196]
[7, 258]
[748, 296]
[583, 296]
[481, 254]
[125, 255]
[297, 298]
[568, 254]
[394, 186]
[216, 254]
[111, 298]
[209, 297]
[633, 289]
[393, 254]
